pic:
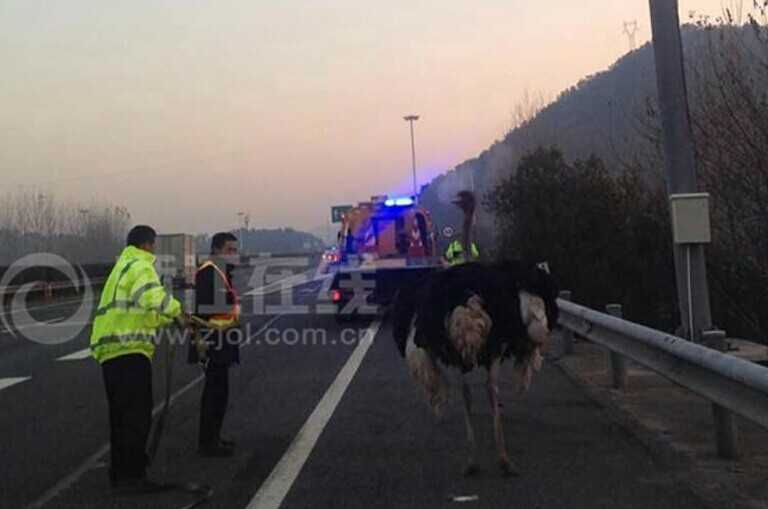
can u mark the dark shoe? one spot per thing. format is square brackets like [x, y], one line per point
[215, 451]
[225, 442]
[141, 486]
[116, 480]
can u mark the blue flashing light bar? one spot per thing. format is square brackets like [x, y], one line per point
[399, 202]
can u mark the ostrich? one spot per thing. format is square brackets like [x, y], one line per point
[473, 315]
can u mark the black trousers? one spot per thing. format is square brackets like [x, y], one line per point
[213, 406]
[128, 380]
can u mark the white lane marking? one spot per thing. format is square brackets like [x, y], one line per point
[288, 283]
[59, 322]
[77, 356]
[53, 322]
[262, 329]
[93, 460]
[260, 289]
[9, 382]
[64, 303]
[272, 493]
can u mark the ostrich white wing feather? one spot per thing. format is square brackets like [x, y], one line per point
[468, 327]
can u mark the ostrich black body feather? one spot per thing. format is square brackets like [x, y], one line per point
[427, 305]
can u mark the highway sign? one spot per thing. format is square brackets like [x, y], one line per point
[338, 211]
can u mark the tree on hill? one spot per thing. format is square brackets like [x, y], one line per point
[605, 236]
[613, 114]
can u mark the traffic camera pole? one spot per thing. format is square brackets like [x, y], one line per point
[411, 119]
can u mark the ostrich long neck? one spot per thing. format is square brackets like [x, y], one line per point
[467, 239]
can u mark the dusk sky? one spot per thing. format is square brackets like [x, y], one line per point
[189, 111]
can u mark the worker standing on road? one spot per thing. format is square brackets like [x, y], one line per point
[133, 306]
[454, 255]
[217, 303]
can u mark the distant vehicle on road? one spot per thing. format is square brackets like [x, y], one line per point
[332, 255]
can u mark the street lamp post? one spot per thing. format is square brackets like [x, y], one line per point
[85, 220]
[240, 216]
[246, 218]
[411, 119]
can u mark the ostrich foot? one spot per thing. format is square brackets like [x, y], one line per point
[471, 469]
[508, 469]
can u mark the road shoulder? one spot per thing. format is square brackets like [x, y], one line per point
[676, 427]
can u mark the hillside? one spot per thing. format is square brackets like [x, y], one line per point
[609, 114]
[587, 171]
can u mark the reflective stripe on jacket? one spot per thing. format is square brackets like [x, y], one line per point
[220, 320]
[132, 307]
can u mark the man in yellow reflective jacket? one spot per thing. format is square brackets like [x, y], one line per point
[133, 306]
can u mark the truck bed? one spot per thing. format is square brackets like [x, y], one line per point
[382, 278]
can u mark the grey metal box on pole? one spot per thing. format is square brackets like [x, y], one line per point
[690, 218]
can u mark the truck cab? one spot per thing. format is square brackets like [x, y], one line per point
[387, 228]
[387, 241]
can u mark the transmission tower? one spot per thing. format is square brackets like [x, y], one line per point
[734, 11]
[630, 29]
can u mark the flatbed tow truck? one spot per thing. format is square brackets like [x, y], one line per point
[385, 244]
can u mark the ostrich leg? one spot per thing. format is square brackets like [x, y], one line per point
[507, 468]
[471, 467]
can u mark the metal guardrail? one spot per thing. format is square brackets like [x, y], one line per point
[727, 381]
[40, 286]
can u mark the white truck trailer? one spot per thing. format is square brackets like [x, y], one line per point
[176, 258]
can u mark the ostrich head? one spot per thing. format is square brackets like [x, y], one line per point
[465, 200]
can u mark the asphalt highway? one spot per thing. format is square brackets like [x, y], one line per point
[325, 416]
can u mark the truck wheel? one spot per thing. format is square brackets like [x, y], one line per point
[345, 318]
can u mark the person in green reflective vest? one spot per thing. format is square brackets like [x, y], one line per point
[133, 306]
[454, 255]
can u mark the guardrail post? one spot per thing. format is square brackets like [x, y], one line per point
[618, 362]
[726, 431]
[567, 333]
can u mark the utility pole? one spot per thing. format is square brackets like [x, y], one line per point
[679, 155]
[411, 119]
[247, 221]
[680, 160]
